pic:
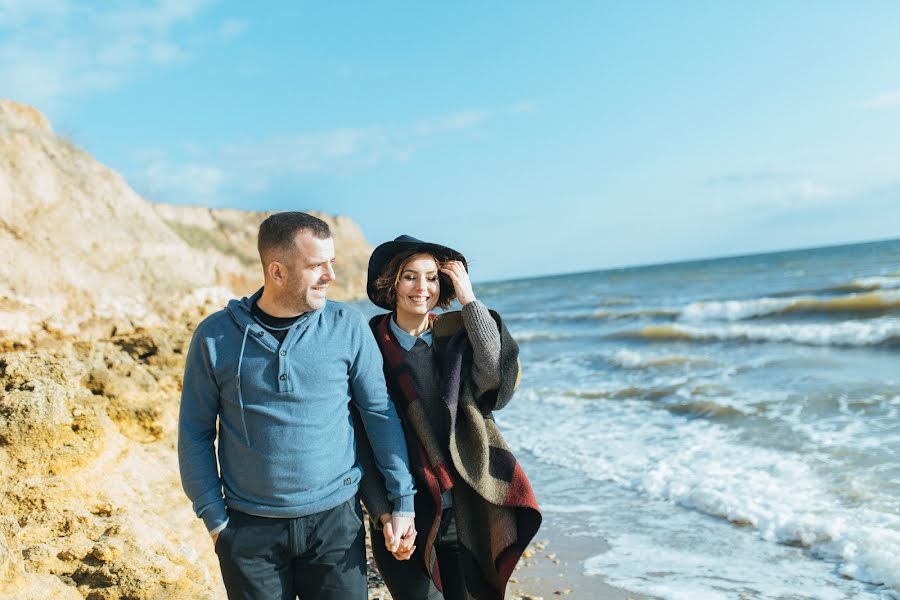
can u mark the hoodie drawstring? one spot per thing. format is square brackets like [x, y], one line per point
[240, 398]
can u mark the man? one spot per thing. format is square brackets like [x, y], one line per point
[278, 370]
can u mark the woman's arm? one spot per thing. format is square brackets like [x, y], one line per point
[483, 333]
[485, 339]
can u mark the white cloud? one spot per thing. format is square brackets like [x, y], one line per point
[812, 191]
[772, 191]
[184, 183]
[529, 106]
[231, 28]
[213, 176]
[885, 100]
[53, 51]
[14, 13]
[207, 176]
[454, 122]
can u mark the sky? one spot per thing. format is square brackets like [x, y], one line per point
[535, 137]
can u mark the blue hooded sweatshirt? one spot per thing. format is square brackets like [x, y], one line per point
[286, 445]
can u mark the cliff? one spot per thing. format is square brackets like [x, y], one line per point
[99, 293]
[82, 254]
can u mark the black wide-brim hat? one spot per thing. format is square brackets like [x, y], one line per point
[383, 254]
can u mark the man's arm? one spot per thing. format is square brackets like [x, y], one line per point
[382, 425]
[197, 435]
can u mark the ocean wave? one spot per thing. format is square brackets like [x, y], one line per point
[705, 408]
[677, 395]
[786, 502]
[703, 466]
[594, 315]
[876, 283]
[626, 392]
[738, 310]
[875, 332]
[629, 359]
[538, 336]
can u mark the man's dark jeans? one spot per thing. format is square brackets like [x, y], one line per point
[316, 557]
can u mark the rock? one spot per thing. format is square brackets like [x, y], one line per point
[99, 294]
[18, 584]
[107, 551]
[83, 255]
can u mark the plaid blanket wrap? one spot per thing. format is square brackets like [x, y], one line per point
[497, 514]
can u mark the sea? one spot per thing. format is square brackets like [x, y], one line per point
[727, 428]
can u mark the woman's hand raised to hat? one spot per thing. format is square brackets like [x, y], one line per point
[462, 285]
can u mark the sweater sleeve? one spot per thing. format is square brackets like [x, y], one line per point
[485, 339]
[371, 486]
[196, 436]
[379, 417]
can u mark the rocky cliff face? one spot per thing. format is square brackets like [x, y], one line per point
[90, 505]
[99, 293]
[81, 253]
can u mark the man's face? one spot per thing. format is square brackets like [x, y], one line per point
[310, 270]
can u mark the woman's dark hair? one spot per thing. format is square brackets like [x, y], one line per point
[385, 286]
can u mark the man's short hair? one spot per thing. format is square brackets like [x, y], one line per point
[277, 233]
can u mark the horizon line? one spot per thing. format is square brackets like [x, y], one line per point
[692, 260]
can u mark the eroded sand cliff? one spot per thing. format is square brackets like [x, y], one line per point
[99, 293]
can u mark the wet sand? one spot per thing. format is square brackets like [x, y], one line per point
[552, 567]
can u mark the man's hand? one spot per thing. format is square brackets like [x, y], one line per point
[399, 535]
[220, 529]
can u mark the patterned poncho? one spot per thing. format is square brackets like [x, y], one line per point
[495, 508]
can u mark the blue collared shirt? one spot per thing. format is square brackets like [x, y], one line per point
[406, 340]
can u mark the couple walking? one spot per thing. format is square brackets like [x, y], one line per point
[293, 408]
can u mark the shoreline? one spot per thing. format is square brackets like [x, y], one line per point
[551, 567]
[555, 567]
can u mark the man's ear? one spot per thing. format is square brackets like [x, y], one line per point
[277, 272]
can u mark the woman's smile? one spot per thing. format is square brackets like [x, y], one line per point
[418, 287]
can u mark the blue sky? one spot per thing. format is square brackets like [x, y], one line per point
[536, 137]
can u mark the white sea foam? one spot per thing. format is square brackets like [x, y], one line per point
[674, 568]
[738, 310]
[535, 336]
[569, 508]
[845, 333]
[734, 310]
[629, 359]
[703, 466]
[874, 283]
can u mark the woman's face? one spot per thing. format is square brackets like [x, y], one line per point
[418, 287]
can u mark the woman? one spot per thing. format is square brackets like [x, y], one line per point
[475, 510]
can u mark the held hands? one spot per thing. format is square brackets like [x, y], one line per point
[456, 271]
[399, 535]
